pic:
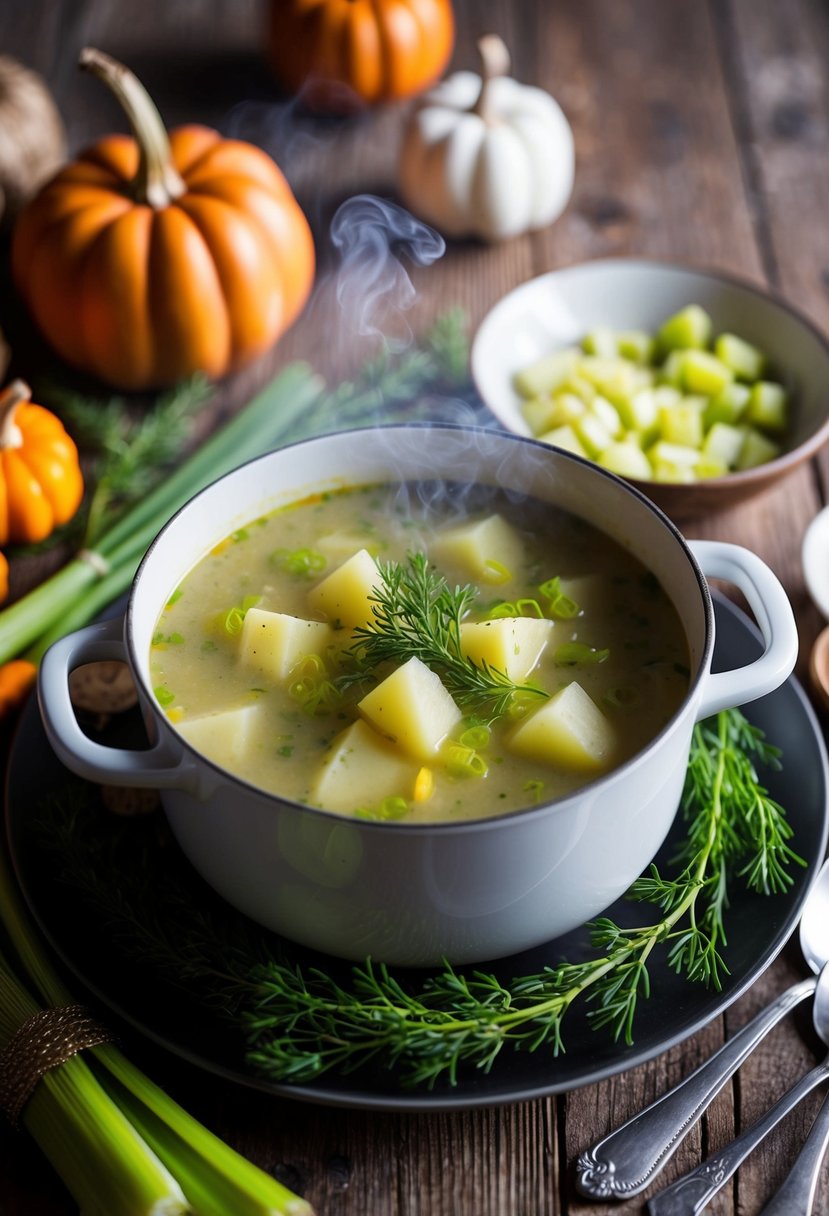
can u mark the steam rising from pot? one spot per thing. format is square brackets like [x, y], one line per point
[373, 288]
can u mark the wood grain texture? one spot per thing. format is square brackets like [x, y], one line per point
[702, 133]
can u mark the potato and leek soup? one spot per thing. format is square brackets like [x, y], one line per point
[419, 652]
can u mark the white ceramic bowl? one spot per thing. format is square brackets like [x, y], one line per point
[557, 309]
[416, 894]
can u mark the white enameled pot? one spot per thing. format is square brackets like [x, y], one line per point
[417, 894]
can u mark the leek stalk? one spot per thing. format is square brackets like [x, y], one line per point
[111, 1132]
[102, 1159]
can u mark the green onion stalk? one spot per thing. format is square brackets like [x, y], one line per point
[122, 1146]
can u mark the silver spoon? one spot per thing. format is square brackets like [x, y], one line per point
[694, 1191]
[626, 1162]
[797, 1194]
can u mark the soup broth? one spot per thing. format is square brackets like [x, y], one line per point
[419, 653]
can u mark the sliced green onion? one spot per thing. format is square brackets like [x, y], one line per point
[496, 572]
[529, 607]
[535, 788]
[461, 761]
[560, 605]
[303, 563]
[476, 737]
[233, 621]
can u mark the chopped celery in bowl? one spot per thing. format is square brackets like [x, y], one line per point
[698, 388]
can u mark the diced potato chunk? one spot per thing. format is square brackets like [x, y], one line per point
[274, 642]
[510, 644]
[485, 548]
[224, 736]
[569, 731]
[360, 769]
[412, 708]
[345, 595]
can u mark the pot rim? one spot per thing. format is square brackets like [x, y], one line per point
[490, 822]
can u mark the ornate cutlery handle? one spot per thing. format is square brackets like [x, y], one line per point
[690, 1194]
[625, 1162]
[797, 1194]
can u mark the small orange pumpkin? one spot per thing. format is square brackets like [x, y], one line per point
[4, 577]
[337, 51]
[17, 678]
[150, 258]
[41, 484]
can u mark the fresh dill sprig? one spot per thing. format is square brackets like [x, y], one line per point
[416, 613]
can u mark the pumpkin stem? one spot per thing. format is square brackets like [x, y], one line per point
[10, 398]
[157, 182]
[495, 61]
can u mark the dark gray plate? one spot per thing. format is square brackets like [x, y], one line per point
[139, 993]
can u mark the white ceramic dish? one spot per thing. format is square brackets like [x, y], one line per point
[418, 893]
[815, 558]
[557, 309]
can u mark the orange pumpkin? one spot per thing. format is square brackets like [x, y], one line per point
[150, 258]
[337, 51]
[4, 577]
[41, 484]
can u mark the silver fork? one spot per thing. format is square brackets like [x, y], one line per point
[691, 1193]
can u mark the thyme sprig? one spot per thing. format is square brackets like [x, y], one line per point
[300, 1022]
[416, 613]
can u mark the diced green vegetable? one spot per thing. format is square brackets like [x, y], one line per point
[566, 438]
[626, 459]
[600, 341]
[746, 361]
[673, 407]
[757, 449]
[768, 406]
[546, 374]
[690, 328]
[705, 373]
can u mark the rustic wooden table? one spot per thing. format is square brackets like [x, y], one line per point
[702, 135]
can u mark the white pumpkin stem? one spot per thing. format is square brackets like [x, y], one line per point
[10, 398]
[157, 181]
[495, 61]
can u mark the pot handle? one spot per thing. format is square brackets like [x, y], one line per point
[162, 765]
[774, 616]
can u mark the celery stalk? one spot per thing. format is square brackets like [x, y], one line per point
[213, 1176]
[99, 1154]
[216, 1180]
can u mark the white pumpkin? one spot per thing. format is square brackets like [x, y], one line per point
[485, 155]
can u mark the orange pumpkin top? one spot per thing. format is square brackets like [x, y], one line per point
[41, 485]
[150, 258]
[378, 50]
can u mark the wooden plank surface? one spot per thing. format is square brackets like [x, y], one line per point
[701, 133]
